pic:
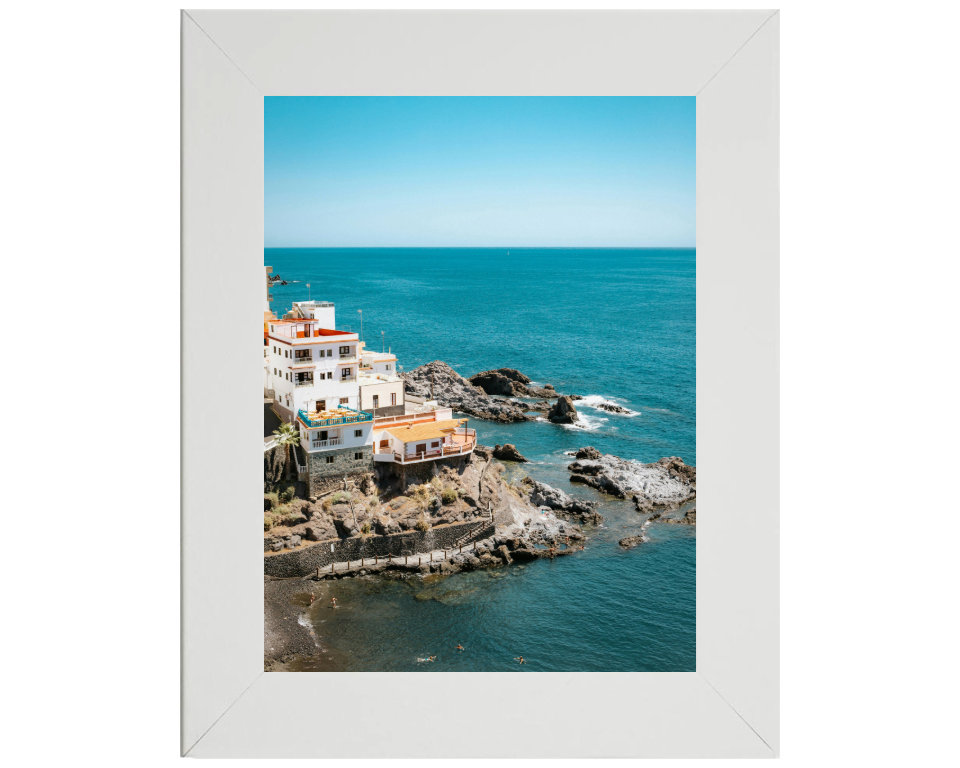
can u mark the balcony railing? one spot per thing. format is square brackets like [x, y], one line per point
[326, 443]
[347, 379]
[302, 361]
[456, 449]
[350, 416]
[303, 382]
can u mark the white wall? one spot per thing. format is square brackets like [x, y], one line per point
[384, 390]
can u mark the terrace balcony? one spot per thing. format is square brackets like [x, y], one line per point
[303, 383]
[463, 442]
[302, 361]
[341, 415]
[330, 443]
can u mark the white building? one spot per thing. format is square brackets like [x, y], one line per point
[315, 372]
[381, 388]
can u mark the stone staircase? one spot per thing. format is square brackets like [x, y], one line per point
[472, 531]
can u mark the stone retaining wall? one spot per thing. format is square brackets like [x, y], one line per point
[302, 562]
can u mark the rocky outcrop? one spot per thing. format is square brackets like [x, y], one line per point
[612, 408]
[667, 483]
[503, 381]
[563, 412]
[688, 519]
[588, 453]
[632, 541]
[508, 452]
[510, 382]
[452, 390]
[544, 495]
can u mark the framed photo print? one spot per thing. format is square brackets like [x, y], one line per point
[516, 276]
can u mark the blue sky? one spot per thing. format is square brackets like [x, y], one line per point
[480, 171]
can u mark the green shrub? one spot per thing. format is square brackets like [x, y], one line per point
[365, 528]
[270, 500]
[423, 524]
[449, 495]
[285, 495]
[267, 521]
[339, 497]
[420, 492]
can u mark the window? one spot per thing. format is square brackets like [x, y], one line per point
[329, 459]
[388, 366]
[344, 401]
[376, 401]
[393, 398]
[358, 456]
[344, 351]
[358, 433]
[346, 373]
[434, 445]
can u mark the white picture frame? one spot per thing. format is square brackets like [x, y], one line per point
[728, 707]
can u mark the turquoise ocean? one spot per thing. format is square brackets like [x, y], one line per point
[615, 325]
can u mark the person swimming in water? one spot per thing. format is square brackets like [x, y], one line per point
[429, 658]
[312, 598]
[459, 647]
[520, 659]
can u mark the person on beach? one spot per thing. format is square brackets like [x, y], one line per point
[334, 601]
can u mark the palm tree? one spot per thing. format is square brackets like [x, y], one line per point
[288, 435]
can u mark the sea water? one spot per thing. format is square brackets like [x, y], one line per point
[613, 325]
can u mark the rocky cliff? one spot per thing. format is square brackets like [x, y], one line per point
[452, 390]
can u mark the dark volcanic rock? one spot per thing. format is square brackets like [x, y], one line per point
[510, 382]
[502, 381]
[688, 519]
[563, 411]
[611, 408]
[544, 495]
[588, 453]
[451, 390]
[508, 452]
[632, 541]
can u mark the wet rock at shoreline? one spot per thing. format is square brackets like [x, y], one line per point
[452, 390]
[563, 411]
[632, 541]
[612, 408]
[587, 453]
[508, 452]
[667, 483]
[544, 495]
[688, 519]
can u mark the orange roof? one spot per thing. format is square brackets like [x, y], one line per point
[430, 430]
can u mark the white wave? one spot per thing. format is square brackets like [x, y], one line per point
[303, 621]
[587, 423]
[592, 401]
